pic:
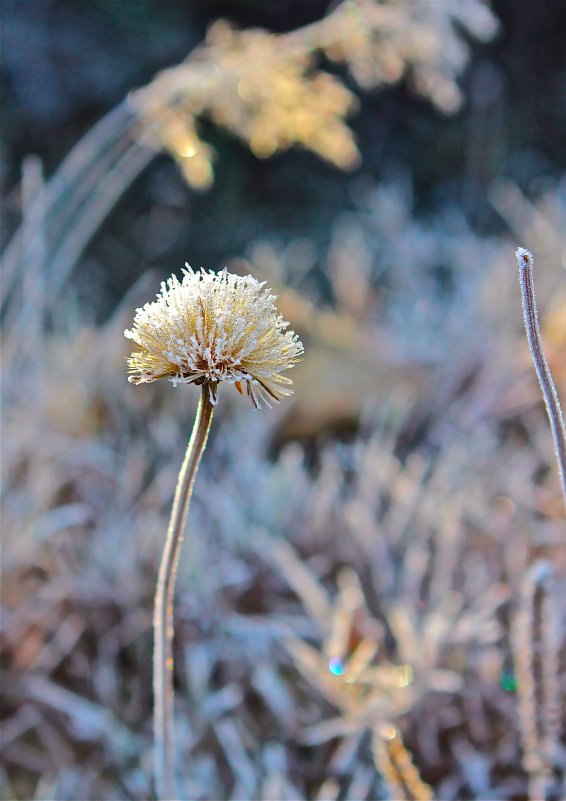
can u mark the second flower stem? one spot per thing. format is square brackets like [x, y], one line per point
[526, 263]
[163, 720]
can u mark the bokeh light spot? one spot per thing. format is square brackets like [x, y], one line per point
[508, 681]
[336, 666]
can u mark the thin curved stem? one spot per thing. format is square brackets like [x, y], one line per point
[526, 262]
[163, 721]
[74, 181]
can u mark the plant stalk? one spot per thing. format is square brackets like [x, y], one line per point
[526, 263]
[163, 720]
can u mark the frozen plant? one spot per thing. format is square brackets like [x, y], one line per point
[525, 262]
[202, 330]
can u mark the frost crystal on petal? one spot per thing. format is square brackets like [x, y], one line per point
[213, 327]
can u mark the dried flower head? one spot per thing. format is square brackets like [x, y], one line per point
[213, 327]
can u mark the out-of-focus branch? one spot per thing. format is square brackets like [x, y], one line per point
[266, 89]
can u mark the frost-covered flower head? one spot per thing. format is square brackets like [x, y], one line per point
[213, 327]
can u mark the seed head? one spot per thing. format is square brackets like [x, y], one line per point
[213, 327]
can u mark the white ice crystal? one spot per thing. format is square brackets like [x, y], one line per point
[212, 327]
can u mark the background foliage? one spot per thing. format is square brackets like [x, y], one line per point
[382, 561]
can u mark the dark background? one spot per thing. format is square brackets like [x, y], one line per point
[66, 64]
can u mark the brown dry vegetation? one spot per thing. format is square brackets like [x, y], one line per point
[370, 600]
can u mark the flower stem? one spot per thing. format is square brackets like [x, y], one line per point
[163, 722]
[526, 262]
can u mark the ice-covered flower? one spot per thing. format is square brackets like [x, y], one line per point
[213, 327]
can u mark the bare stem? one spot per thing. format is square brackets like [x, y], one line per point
[163, 721]
[526, 262]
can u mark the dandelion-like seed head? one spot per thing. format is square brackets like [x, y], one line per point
[212, 327]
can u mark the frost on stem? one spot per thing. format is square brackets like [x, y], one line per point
[525, 262]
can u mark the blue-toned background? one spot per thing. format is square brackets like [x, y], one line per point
[373, 573]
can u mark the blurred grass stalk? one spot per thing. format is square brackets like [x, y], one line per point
[536, 647]
[395, 764]
[163, 627]
[73, 203]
